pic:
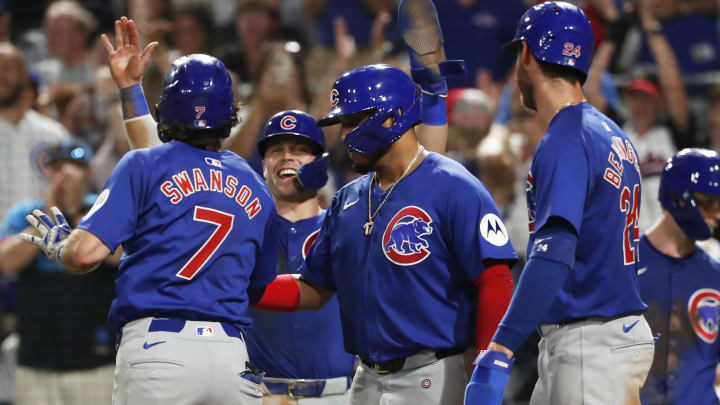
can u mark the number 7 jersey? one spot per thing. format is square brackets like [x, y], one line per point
[585, 170]
[196, 229]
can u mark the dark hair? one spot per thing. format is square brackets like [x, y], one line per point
[200, 138]
[554, 71]
[202, 13]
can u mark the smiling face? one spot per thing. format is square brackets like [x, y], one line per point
[283, 156]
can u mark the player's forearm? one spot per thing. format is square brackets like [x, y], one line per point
[289, 293]
[81, 254]
[433, 131]
[495, 288]
[140, 128]
[312, 296]
[551, 258]
[538, 286]
[141, 132]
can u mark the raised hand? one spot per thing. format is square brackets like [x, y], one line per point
[129, 61]
[53, 236]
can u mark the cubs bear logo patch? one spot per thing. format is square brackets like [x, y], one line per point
[404, 240]
[704, 312]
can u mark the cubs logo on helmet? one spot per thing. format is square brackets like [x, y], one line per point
[334, 97]
[404, 240]
[704, 312]
[309, 242]
[288, 122]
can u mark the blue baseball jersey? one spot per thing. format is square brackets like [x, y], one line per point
[303, 344]
[196, 229]
[408, 286]
[585, 170]
[683, 297]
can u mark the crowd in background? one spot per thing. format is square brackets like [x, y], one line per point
[656, 72]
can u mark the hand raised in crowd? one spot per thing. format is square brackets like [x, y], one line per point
[129, 61]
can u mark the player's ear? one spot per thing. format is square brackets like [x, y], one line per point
[264, 170]
[525, 55]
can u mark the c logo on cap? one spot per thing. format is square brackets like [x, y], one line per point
[334, 99]
[288, 122]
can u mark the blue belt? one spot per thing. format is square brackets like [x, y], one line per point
[176, 325]
[300, 388]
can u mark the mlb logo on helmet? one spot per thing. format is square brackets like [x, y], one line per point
[704, 312]
[204, 331]
[404, 237]
[288, 122]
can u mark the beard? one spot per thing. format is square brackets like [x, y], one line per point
[12, 97]
[369, 162]
[527, 92]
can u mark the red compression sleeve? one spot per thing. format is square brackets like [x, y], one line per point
[281, 295]
[495, 287]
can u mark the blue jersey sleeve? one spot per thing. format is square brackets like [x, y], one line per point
[476, 230]
[317, 267]
[114, 215]
[266, 262]
[560, 175]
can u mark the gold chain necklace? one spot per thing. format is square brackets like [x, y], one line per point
[568, 104]
[369, 224]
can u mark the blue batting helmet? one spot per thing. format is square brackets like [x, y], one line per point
[197, 94]
[380, 90]
[292, 122]
[690, 170]
[557, 32]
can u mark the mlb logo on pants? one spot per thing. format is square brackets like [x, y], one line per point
[203, 331]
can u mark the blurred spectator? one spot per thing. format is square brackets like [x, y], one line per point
[66, 352]
[67, 78]
[487, 25]
[193, 30]
[69, 31]
[470, 113]
[279, 85]
[713, 117]
[257, 22]
[659, 118]
[691, 28]
[115, 144]
[21, 130]
[4, 21]
[358, 14]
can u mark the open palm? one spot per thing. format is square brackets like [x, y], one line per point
[128, 62]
